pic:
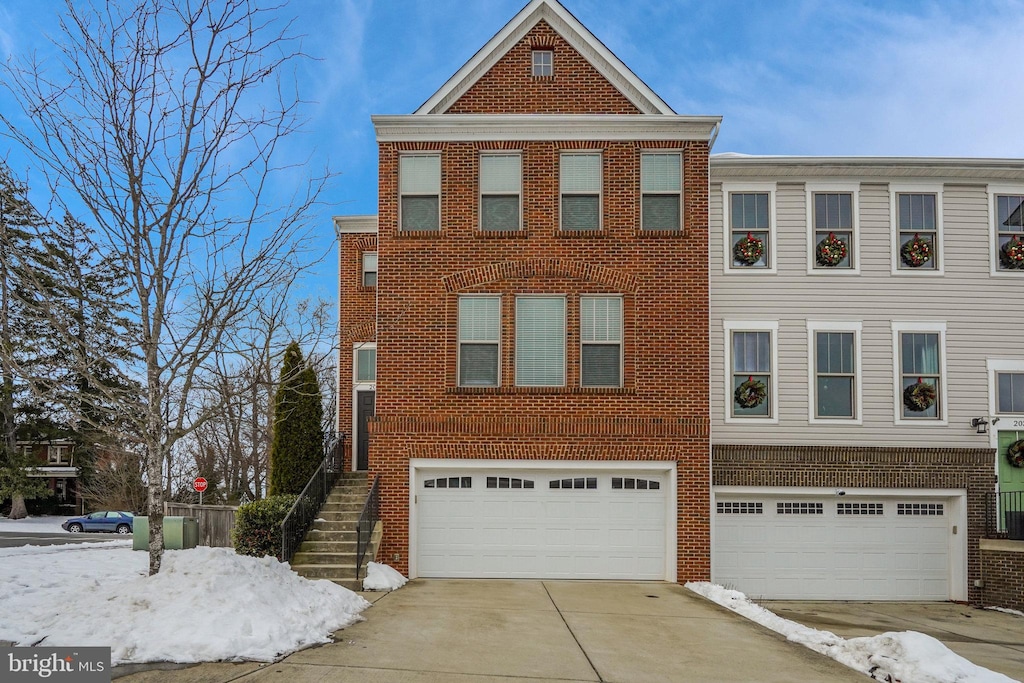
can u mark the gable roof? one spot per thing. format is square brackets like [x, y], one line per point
[573, 32]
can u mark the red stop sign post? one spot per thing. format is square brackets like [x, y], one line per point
[200, 485]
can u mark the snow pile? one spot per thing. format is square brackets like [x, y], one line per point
[205, 604]
[381, 577]
[33, 525]
[906, 656]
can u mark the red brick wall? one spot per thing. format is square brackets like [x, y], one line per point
[358, 323]
[575, 87]
[1002, 572]
[662, 407]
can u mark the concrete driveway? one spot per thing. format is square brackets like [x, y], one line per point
[994, 640]
[457, 631]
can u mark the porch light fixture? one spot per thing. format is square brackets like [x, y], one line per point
[981, 424]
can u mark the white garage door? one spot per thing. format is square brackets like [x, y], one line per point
[833, 548]
[541, 524]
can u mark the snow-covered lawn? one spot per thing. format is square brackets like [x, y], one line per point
[205, 604]
[35, 525]
[906, 656]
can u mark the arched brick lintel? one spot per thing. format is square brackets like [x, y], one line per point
[543, 267]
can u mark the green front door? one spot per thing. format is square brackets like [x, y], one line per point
[1010, 478]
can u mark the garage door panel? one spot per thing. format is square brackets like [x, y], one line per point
[860, 549]
[541, 532]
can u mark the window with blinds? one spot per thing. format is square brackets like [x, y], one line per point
[661, 190]
[479, 332]
[369, 269]
[601, 341]
[540, 341]
[580, 180]
[500, 186]
[419, 188]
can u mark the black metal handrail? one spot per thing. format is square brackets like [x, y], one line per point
[307, 506]
[367, 523]
[1004, 516]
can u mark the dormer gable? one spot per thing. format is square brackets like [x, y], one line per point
[585, 76]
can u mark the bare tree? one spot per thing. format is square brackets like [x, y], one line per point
[161, 120]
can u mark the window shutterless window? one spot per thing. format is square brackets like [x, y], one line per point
[749, 229]
[918, 231]
[420, 191]
[751, 374]
[1010, 392]
[369, 269]
[601, 341]
[543, 62]
[366, 365]
[500, 186]
[920, 375]
[833, 230]
[835, 375]
[1010, 232]
[580, 179]
[479, 332]
[540, 341]
[661, 190]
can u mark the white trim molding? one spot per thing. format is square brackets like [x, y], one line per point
[895, 190]
[854, 327]
[993, 192]
[936, 327]
[773, 257]
[851, 188]
[772, 327]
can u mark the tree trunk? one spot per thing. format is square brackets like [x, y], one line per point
[18, 509]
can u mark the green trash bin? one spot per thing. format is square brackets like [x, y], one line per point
[180, 533]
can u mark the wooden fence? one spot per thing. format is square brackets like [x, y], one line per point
[215, 521]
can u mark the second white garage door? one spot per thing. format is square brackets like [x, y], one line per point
[541, 524]
[833, 548]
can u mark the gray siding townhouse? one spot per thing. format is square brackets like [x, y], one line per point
[867, 373]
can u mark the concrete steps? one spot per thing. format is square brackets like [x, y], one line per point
[329, 549]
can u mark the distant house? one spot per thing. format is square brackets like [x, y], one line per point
[55, 464]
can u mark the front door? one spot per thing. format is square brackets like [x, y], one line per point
[1011, 479]
[364, 411]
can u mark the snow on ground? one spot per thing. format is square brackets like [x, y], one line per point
[381, 577]
[34, 525]
[1006, 610]
[205, 604]
[905, 656]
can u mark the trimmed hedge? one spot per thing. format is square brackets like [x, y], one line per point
[257, 529]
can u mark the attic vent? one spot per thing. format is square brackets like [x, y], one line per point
[543, 62]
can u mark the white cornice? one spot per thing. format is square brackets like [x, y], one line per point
[573, 32]
[486, 127]
[346, 225]
[728, 166]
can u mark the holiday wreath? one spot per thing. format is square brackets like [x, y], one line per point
[748, 250]
[919, 397]
[831, 251]
[916, 252]
[750, 393]
[1012, 254]
[1015, 453]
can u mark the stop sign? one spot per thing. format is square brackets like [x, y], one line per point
[199, 484]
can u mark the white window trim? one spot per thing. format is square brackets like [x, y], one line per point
[813, 327]
[536, 468]
[938, 327]
[834, 188]
[458, 343]
[772, 327]
[773, 256]
[994, 190]
[894, 228]
[622, 343]
[364, 271]
[1008, 421]
[534, 64]
[682, 186]
[362, 385]
[440, 183]
[480, 192]
[565, 339]
[600, 188]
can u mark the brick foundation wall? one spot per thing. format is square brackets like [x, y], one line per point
[1002, 571]
[868, 467]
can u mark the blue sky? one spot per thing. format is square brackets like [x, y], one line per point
[883, 78]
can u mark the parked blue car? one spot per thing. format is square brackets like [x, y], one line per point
[114, 522]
